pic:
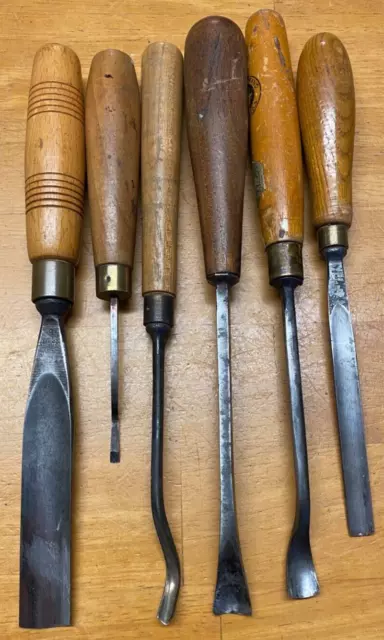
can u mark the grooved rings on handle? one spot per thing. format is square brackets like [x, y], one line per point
[54, 190]
[57, 97]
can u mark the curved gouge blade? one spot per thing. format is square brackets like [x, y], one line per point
[46, 486]
[348, 400]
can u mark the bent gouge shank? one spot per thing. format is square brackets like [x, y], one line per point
[112, 118]
[162, 92]
[217, 122]
[278, 177]
[326, 101]
[54, 192]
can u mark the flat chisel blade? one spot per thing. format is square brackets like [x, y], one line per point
[45, 534]
[349, 410]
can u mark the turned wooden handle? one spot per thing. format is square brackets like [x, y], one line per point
[162, 94]
[326, 99]
[275, 136]
[54, 156]
[112, 109]
[215, 74]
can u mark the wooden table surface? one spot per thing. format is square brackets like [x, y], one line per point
[118, 569]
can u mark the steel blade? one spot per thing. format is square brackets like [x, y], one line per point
[45, 535]
[348, 400]
[231, 595]
[115, 429]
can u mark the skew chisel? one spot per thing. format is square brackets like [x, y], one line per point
[278, 176]
[215, 76]
[54, 192]
[326, 101]
[162, 91]
[112, 118]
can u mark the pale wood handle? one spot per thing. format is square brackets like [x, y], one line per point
[275, 135]
[326, 100]
[113, 145]
[55, 155]
[162, 91]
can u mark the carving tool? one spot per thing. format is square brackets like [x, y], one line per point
[217, 121]
[112, 111]
[278, 177]
[54, 193]
[326, 101]
[162, 91]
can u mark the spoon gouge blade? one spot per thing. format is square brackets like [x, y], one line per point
[112, 123]
[278, 176]
[54, 187]
[326, 100]
[162, 93]
[217, 122]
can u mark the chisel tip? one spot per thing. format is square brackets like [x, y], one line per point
[114, 456]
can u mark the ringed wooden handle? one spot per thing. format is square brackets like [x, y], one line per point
[162, 93]
[215, 75]
[55, 156]
[275, 134]
[326, 100]
[113, 144]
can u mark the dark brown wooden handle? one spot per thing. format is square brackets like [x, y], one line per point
[162, 94]
[55, 156]
[112, 112]
[326, 99]
[275, 136]
[215, 75]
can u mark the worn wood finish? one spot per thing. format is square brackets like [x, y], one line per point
[161, 94]
[118, 567]
[112, 110]
[217, 122]
[274, 126]
[54, 155]
[327, 116]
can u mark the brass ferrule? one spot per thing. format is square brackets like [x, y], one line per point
[53, 279]
[285, 261]
[332, 235]
[113, 280]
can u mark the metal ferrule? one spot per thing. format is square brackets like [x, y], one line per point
[53, 279]
[113, 280]
[332, 235]
[158, 309]
[285, 261]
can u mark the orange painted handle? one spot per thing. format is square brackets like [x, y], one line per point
[55, 156]
[326, 99]
[275, 135]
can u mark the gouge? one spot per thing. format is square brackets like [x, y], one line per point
[326, 101]
[278, 177]
[54, 192]
[112, 121]
[162, 93]
[217, 121]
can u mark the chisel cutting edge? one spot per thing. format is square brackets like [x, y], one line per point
[326, 101]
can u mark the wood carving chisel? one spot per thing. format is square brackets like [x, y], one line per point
[326, 101]
[162, 94]
[112, 122]
[215, 74]
[54, 192]
[278, 177]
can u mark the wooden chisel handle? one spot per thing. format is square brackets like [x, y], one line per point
[215, 76]
[326, 101]
[162, 92]
[112, 111]
[275, 135]
[54, 156]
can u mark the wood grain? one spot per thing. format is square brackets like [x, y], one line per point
[274, 126]
[113, 147]
[54, 155]
[217, 122]
[118, 568]
[161, 94]
[326, 98]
